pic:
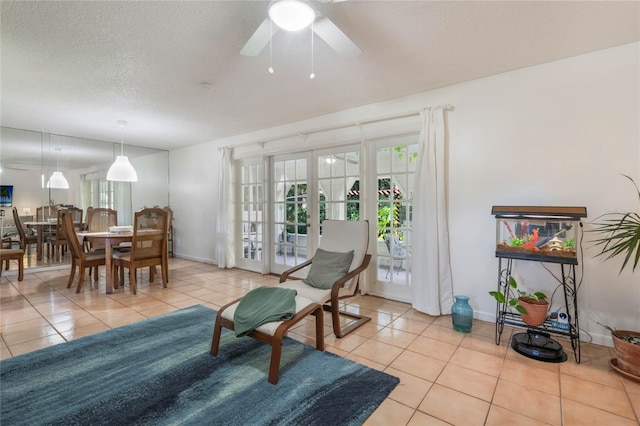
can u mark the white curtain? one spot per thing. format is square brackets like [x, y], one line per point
[225, 244]
[124, 204]
[431, 284]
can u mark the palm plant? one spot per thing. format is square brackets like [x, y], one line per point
[620, 235]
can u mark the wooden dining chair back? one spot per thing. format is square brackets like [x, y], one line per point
[58, 239]
[78, 257]
[25, 240]
[44, 213]
[100, 219]
[148, 247]
[9, 253]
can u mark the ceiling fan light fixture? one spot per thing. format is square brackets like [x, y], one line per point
[291, 15]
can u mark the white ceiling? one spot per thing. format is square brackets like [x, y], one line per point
[173, 70]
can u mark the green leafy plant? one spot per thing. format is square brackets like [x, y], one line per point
[570, 243]
[620, 235]
[634, 340]
[514, 294]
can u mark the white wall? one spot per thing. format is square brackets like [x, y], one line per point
[556, 134]
[194, 199]
[152, 187]
[27, 191]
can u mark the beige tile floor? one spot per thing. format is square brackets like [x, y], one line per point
[445, 377]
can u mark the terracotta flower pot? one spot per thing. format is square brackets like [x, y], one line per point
[627, 354]
[536, 311]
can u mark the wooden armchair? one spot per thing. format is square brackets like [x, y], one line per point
[338, 237]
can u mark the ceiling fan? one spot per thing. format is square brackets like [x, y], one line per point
[284, 12]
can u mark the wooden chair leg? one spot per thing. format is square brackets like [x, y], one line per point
[82, 272]
[360, 320]
[132, 279]
[274, 365]
[121, 274]
[165, 276]
[95, 277]
[72, 274]
[20, 268]
[318, 313]
[217, 332]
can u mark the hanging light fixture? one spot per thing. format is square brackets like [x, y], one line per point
[291, 15]
[121, 170]
[57, 179]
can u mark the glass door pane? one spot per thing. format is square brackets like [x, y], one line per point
[291, 212]
[394, 165]
[339, 186]
[251, 204]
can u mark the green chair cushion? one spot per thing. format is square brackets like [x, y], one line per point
[328, 267]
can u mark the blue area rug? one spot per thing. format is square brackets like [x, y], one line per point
[159, 371]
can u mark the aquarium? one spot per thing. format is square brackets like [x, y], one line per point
[542, 233]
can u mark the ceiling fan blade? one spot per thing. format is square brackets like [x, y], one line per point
[259, 39]
[334, 37]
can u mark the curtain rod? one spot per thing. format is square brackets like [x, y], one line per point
[359, 124]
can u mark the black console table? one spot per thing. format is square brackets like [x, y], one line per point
[506, 316]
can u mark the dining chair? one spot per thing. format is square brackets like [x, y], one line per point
[47, 214]
[26, 241]
[44, 213]
[152, 269]
[396, 251]
[78, 257]
[58, 239]
[8, 253]
[100, 219]
[148, 248]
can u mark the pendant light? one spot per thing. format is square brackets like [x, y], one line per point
[57, 179]
[121, 170]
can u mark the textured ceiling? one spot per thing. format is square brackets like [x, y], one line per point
[173, 69]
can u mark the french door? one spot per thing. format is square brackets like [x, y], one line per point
[392, 165]
[308, 188]
[282, 227]
[250, 230]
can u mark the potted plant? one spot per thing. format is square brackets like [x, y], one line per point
[620, 236]
[532, 307]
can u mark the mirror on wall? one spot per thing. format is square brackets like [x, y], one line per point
[28, 160]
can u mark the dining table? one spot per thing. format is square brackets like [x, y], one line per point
[110, 239]
[43, 227]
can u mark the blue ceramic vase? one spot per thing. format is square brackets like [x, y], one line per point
[462, 314]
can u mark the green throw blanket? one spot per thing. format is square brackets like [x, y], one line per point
[261, 305]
